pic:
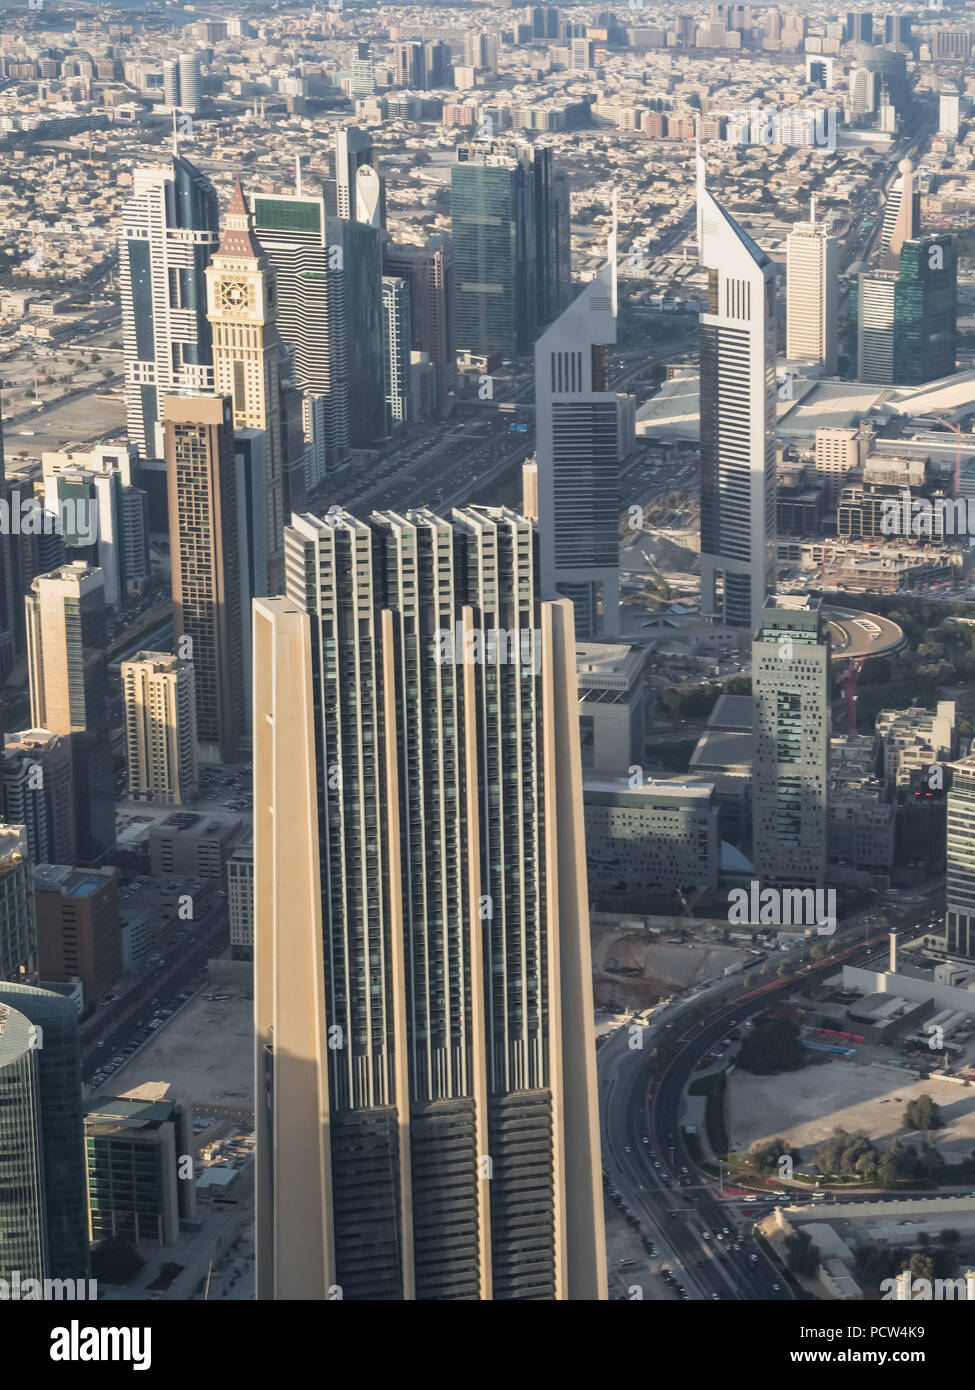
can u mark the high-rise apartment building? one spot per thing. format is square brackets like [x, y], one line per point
[948, 112]
[960, 860]
[43, 1197]
[169, 232]
[18, 932]
[292, 230]
[429, 272]
[240, 900]
[11, 577]
[577, 447]
[204, 546]
[182, 88]
[242, 312]
[738, 396]
[35, 774]
[427, 1126]
[411, 66]
[103, 517]
[812, 294]
[160, 728]
[66, 652]
[397, 339]
[859, 26]
[790, 770]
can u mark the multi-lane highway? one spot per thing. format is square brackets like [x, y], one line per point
[649, 1161]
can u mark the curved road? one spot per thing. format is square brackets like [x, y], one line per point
[645, 1154]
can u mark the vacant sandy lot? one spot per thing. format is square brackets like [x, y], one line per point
[663, 968]
[805, 1107]
[206, 1054]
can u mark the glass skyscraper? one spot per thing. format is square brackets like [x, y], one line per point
[43, 1190]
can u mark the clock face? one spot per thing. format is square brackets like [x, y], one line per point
[235, 294]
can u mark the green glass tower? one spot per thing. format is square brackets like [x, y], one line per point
[925, 310]
[495, 254]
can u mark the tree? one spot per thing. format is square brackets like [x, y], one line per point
[922, 1113]
[921, 1266]
[801, 1255]
[115, 1261]
[773, 1045]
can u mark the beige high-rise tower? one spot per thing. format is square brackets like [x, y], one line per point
[242, 311]
[66, 645]
[160, 728]
[201, 482]
[427, 1122]
[812, 294]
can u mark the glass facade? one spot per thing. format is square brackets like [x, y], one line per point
[43, 1205]
[925, 311]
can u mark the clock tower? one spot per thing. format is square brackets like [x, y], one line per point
[242, 312]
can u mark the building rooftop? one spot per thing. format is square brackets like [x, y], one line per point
[733, 712]
[73, 883]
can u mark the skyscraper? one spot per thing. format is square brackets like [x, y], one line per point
[427, 1127]
[66, 651]
[242, 312]
[859, 26]
[790, 772]
[18, 932]
[578, 430]
[169, 232]
[204, 546]
[181, 82]
[948, 104]
[397, 338]
[429, 272]
[411, 65]
[553, 251]
[493, 231]
[43, 1198]
[960, 860]
[355, 278]
[812, 291]
[906, 312]
[509, 217]
[160, 728]
[738, 337]
[353, 149]
[36, 779]
[292, 230]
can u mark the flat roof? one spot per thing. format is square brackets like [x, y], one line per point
[733, 712]
[720, 748]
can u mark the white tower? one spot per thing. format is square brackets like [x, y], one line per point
[577, 422]
[737, 418]
[812, 294]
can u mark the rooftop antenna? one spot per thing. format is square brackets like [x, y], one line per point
[298, 175]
